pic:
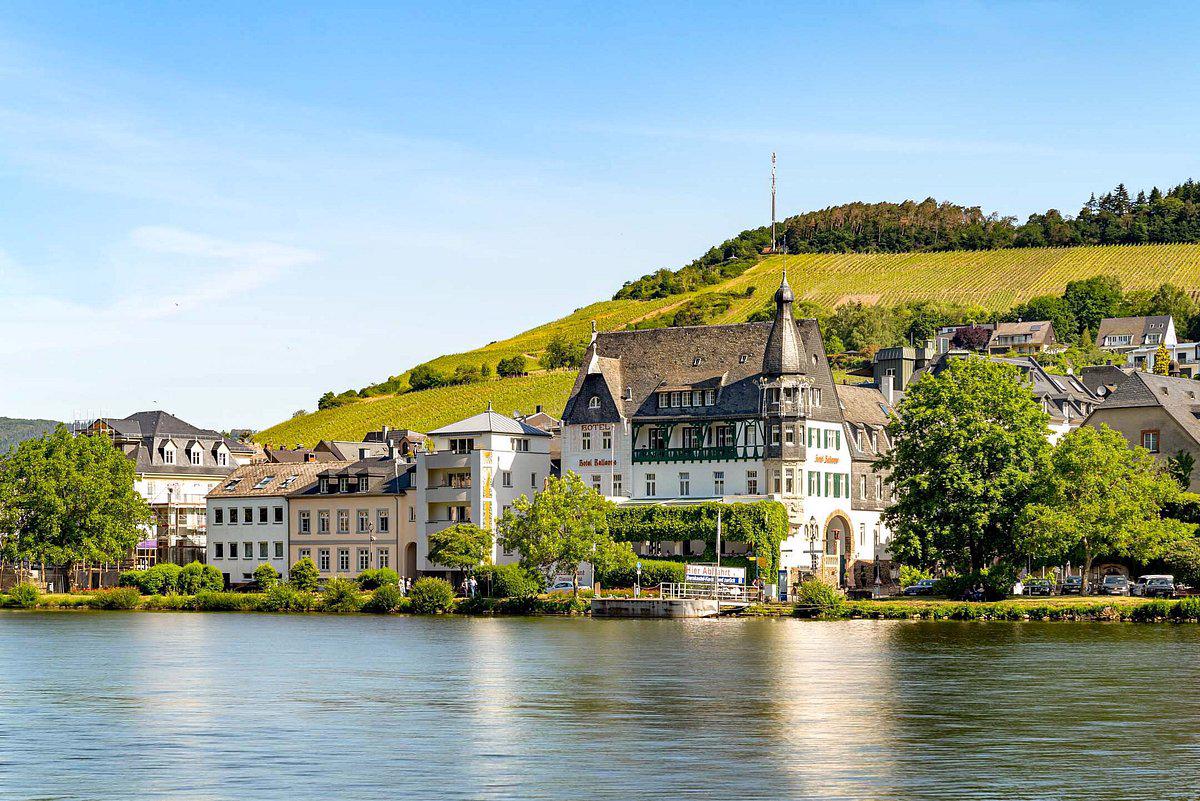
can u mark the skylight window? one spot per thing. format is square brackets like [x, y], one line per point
[289, 481]
[264, 481]
[696, 362]
[230, 486]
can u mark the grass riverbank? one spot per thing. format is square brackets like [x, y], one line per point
[1088, 609]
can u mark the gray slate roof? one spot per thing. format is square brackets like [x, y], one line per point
[624, 369]
[1136, 327]
[1178, 396]
[490, 422]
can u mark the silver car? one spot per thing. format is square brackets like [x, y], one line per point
[1113, 585]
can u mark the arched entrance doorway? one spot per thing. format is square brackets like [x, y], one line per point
[839, 546]
[410, 561]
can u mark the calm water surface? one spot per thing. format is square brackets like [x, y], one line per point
[211, 706]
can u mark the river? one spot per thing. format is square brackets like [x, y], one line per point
[187, 707]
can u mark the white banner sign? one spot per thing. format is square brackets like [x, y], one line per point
[728, 575]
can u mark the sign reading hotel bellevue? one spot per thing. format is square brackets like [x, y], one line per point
[597, 462]
[824, 459]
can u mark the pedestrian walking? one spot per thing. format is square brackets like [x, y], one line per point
[474, 586]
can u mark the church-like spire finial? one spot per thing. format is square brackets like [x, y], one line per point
[783, 352]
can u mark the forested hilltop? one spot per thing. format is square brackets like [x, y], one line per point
[1113, 219]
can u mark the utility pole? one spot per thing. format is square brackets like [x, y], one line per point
[717, 567]
[773, 244]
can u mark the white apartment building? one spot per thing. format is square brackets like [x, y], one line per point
[248, 517]
[176, 465]
[477, 467]
[736, 413]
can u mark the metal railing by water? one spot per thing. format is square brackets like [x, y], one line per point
[705, 590]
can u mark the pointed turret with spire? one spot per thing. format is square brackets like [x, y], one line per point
[783, 355]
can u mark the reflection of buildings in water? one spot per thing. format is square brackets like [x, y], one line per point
[832, 689]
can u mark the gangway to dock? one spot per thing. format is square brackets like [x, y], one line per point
[734, 596]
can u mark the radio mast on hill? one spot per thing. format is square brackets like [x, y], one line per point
[772, 201]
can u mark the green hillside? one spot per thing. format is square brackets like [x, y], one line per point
[994, 279]
[16, 429]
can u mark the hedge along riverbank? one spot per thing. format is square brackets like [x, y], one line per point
[285, 599]
[1084, 610]
[763, 525]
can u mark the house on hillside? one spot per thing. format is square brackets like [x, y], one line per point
[406, 441]
[1024, 338]
[1159, 413]
[1102, 380]
[345, 450]
[1184, 358]
[1123, 334]
[176, 465]
[734, 413]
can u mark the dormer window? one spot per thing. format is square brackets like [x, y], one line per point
[364, 484]
[594, 402]
[344, 484]
[194, 454]
[743, 358]
[324, 482]
[222, 458]
[168, 454]
[696, 362]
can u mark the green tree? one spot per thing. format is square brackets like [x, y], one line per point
[1092, 299]
[1183, 558]
[561, 353]
[512, 366]
[969, 444]
[1162, 360]
[463, 546]
[564, 525]
[265, 577]
[1180, 466]
[1100, 498]
[303, 575]
[425, 377]
[1047, 307]
[66, 499]
[197, 577]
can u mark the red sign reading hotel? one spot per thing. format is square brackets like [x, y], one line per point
[597, 462]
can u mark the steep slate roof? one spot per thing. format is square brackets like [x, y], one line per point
[251, 474]
[1102, 379]
[490, 422]
[388, 477]
[1177, 396]
[783, 354]
[633, 365]
[1136, 327]
[865, 411]
[143, 435]
[345, 450]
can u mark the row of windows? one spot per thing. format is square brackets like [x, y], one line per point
[585, 440]
[720, 436]
[363, 484]
[194, 456]
[362, 521]
[382, 558]
[685, 483]
[266, 514]
[222, 550]
[685, 399]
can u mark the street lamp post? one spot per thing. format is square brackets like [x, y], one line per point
[876, 555]
[812, 542]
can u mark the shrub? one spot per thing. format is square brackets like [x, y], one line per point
[386, 599]
[220, 601]
[304, 575]
[911, 575]
[509, 581]
[162, 579]
[286, 598]
[374, 579]
[997, 583]
[1187, 608]
[431, 596]
[654, 571]
[130, 578]
[173, 602]
[265, 577]
[340, 595]
[25, 595]
[120, 598]
[197, 577]
[815, 592]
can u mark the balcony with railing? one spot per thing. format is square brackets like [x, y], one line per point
[712, 454]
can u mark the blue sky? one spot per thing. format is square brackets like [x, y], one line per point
[225, 211]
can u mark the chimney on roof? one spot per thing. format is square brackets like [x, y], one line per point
[887, 387]
[538, 409]
[385, 433]
[593, 341]
[310, 457]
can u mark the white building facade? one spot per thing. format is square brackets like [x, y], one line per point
[733, 413]
[473, 471]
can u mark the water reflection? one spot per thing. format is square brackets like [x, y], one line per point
[176, 706]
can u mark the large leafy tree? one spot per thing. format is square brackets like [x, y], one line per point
[1101, 498]
[67, 499]
[969, 445]
[463, 546]
[1092, 299]
[564, 525]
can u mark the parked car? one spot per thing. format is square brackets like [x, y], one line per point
[1072, 585]
[1113, 585]
[922, 587]
[1039, 586]
[561, 586]
[1159, 586]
